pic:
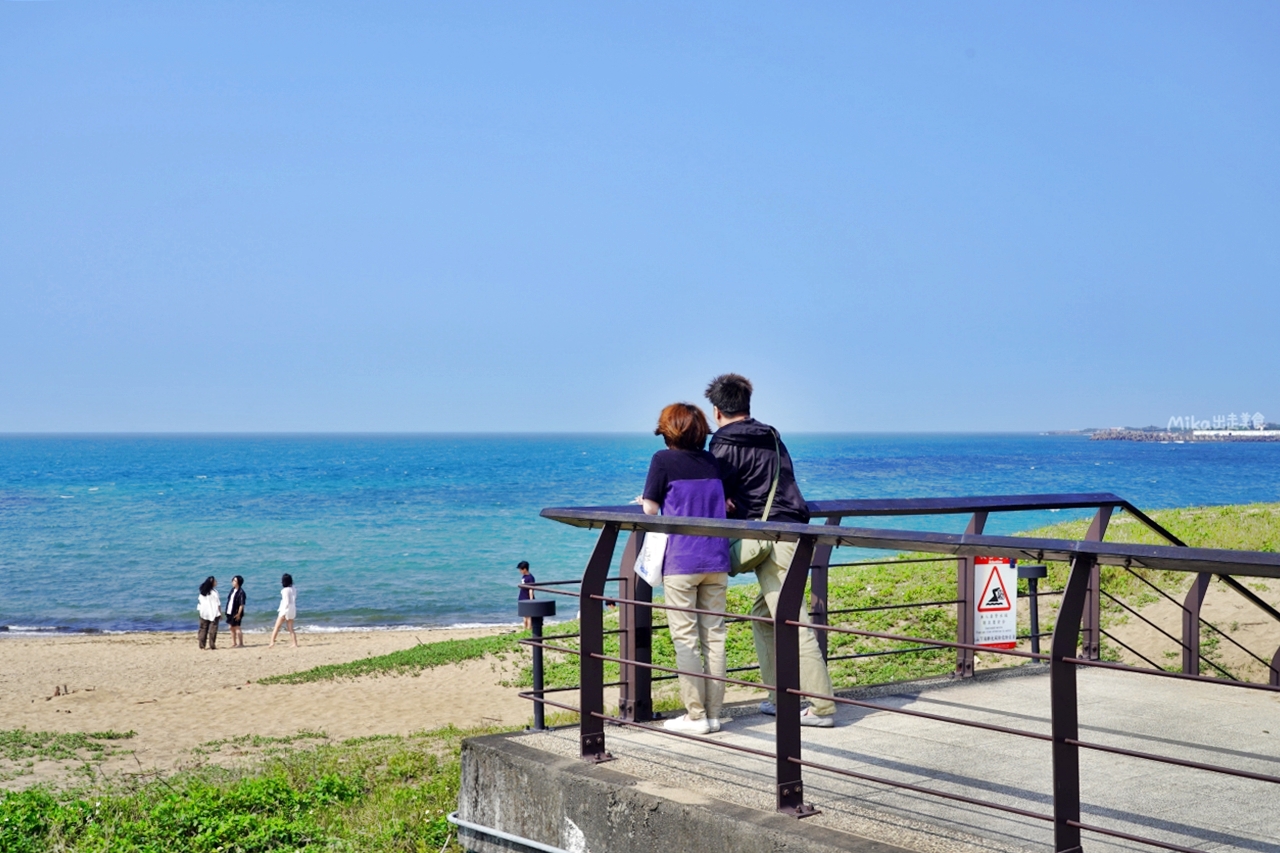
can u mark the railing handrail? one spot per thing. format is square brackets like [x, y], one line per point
[959, 506]
[1163, 557]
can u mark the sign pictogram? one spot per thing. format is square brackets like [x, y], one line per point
[995, 602]
[994, 596]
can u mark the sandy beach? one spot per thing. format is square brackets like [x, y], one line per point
[177, 697]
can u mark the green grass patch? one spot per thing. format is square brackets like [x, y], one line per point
[22, 744]
[259, 742]
[409, 661]
[369, 794]
[20, 749]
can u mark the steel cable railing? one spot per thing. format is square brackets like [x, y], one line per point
[1071, 741]
[1131, 650]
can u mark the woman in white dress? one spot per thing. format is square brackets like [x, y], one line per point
[288, 608]
[209, 606]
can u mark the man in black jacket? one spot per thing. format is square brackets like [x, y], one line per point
[752, 459]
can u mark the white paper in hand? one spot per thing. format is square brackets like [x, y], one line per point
[649, 560]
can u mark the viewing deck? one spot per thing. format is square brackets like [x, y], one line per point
[679, 786]
[1057, 749]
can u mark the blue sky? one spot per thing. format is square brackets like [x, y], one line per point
[491, 216]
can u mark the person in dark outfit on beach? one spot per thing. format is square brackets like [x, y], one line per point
[235, 611]
[752, 457]
[526, 589]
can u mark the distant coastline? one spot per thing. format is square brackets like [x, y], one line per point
[1180, 436]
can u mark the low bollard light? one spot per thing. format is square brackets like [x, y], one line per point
[1033, 575]
[537, 610]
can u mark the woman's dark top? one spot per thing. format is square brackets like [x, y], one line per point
[235, 602]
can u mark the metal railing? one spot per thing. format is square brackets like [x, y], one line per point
[1076, 637]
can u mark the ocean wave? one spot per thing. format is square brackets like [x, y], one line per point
[45, 631]
[337, 629]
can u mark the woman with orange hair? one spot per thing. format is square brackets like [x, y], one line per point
[685, 480]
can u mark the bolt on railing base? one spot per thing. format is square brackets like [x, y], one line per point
[791, 801]
[593, 749]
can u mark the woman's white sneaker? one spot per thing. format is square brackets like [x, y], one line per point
[808, 718]
[686, 726]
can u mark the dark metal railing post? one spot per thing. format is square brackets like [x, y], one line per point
[1091, 639]
[539, 685]
[786, 649]
[1063, 706]
[1191, 624]
[819, 574]
[1275, 669]
[964, 601]
[636, 640]
[591, 632]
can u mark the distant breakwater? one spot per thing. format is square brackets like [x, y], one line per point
[1185, 435]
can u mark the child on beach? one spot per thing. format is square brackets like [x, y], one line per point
[526, 589]
[209, 606]
[288, 610]
[235, 611]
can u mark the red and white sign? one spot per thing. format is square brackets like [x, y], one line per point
[995, 603]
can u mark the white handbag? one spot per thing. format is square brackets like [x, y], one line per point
[649, 560]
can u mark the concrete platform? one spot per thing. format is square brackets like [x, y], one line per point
[669, 794]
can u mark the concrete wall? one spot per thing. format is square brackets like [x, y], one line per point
[586, 808]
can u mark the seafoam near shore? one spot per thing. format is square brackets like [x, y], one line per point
[176, 696]
[33, 631]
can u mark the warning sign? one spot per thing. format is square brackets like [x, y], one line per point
[995, 604]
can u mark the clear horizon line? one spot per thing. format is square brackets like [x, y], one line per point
[441, 433]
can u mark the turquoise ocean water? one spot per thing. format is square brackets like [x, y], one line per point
[116, 533]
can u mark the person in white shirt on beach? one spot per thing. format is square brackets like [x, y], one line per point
[288, 608]
[209, 606]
